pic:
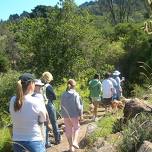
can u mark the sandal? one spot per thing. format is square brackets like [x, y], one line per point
[72, 149]
[76, 146]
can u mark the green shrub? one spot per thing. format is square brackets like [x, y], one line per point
[7, 90]
[105, 127]
[137, 130]
[138, 91]
[5, 140]
[118, 125]
[4, 63]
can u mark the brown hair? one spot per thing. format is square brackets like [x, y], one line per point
[71, 84]
[20, 91]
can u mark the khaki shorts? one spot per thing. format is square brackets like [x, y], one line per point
[95, 99]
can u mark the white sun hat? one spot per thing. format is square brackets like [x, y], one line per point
[116, 72]
[38, 82]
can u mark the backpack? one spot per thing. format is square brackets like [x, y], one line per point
[44, 93]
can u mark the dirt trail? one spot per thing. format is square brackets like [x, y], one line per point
[63, 146]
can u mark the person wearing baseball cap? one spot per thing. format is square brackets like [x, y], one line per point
[26, 114]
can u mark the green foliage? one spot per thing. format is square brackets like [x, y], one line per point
[137, 48]
[7, 90]
[138, 91]
[70, 42]
[4, 63]
[67, 42]
[122, 11]
[5, 140]
[146, 73]
[105, 128]
[137, 130]
[118, 125]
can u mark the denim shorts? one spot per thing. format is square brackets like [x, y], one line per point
[30, 146]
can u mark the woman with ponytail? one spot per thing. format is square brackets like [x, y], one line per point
[27, 114]
[72, 110]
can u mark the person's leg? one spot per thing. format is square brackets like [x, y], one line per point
[31, 146]
[46, 131]
[76, 128]
[105, 105]
[68, 132]
[35, 146]
[52, 116]
[47, 142]
[18, 146]
[108, 102]
[95, 103]
[119, 95]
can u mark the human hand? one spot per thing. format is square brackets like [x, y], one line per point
[81, 118]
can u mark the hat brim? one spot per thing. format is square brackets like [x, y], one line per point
[116, 73]
[39, 84]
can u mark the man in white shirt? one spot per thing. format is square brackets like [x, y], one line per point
[107, 89]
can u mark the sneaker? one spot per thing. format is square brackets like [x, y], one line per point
[95, 118]
[48, 145]
[58, 141]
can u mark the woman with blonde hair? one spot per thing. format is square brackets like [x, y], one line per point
[72, 110]
[49, 97]
[27, 114]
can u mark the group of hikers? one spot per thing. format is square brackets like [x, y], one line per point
[105, 92]
[33, 112]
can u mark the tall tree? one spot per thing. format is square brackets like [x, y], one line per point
[120, 10]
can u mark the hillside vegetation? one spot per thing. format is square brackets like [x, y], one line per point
[74, 41]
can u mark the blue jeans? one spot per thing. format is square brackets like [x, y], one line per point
[52, 116]
[31, 146]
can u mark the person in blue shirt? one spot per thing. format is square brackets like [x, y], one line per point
[72, 111]
[116, 75]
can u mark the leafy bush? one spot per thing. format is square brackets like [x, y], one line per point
[4, 63]
[5, 140]
[138, 91]
[118, 125]
[137, 130]
[7, 89]
[105, 127]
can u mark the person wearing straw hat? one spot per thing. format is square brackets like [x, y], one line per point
[49, 97]
[27, 112]
[72, 110]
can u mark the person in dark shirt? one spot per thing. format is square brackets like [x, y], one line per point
[49, 97]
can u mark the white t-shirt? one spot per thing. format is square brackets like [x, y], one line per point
[26, 121]
[107, 88]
